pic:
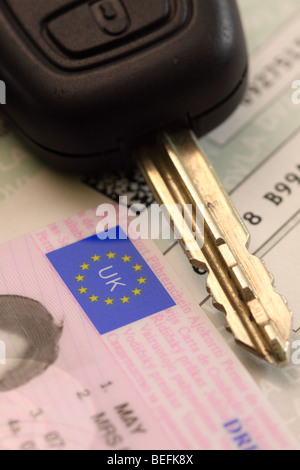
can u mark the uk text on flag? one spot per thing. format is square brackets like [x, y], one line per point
[111, 281]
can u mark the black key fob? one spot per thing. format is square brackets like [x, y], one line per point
[86, 79]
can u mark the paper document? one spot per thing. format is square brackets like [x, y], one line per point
[80, 376]
[256, 155]
[173, 378]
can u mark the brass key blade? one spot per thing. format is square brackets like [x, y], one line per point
[178, 173]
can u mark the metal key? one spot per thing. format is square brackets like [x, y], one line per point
[97, 76]
[178, 172]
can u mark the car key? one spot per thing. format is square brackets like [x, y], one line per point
[179, 173]
[89, 80]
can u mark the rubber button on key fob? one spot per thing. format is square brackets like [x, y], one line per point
[111, 16]
[86, 28]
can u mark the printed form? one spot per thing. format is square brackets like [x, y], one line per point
[256, 155]
[189, 389]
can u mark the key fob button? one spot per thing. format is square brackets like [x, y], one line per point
[90, 28]
[108, 10]
[111, 16]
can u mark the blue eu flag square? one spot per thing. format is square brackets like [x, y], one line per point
[111, 281]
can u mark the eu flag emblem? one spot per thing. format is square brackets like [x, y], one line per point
[111, 281]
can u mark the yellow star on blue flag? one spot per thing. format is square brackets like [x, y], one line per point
[118, 286]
